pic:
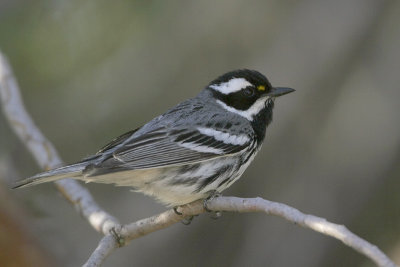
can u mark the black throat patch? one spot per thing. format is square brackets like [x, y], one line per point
[262, 120]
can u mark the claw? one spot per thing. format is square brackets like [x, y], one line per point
[205, 205]
[176, 211]
[187, 220]
[212, 195]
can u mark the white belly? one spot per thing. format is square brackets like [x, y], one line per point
[174, 186]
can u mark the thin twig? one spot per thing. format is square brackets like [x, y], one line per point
[106, 245]
[119, 235]
[234, 204]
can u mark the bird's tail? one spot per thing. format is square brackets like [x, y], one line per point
[70, 171]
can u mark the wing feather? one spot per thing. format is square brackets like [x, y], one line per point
[161, 148]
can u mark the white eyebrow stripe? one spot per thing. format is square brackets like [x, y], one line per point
[225, 137]
[231, 86]
[249, 113]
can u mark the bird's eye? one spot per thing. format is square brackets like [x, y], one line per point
[248, 92]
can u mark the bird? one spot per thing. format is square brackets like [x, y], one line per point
[196, 149]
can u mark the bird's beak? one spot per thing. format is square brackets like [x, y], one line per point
[278, 91]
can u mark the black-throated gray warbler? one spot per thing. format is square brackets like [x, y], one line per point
[201, 146]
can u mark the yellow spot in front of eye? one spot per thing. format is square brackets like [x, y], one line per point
[261, 88]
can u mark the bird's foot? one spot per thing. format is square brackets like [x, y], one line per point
[213, 194]
[176, 211]
[186, 221]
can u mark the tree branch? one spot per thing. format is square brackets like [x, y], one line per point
[116, 235]
[44, 152]
[234, 204]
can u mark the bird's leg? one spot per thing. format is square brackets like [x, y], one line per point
[216, 214]
[213, 194]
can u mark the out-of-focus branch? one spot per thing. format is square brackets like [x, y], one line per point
[44, 152]
[118, 235]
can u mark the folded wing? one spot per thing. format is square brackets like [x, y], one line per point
[163, 148]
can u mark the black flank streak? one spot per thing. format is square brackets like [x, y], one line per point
[224, 181]
[185, 182]
[188, 168]
[212, 178]
[246, 159]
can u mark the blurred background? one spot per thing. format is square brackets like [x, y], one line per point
[91, 70]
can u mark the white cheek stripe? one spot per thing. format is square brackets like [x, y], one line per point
[231, 86]
[225, 137]
[249, 113]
